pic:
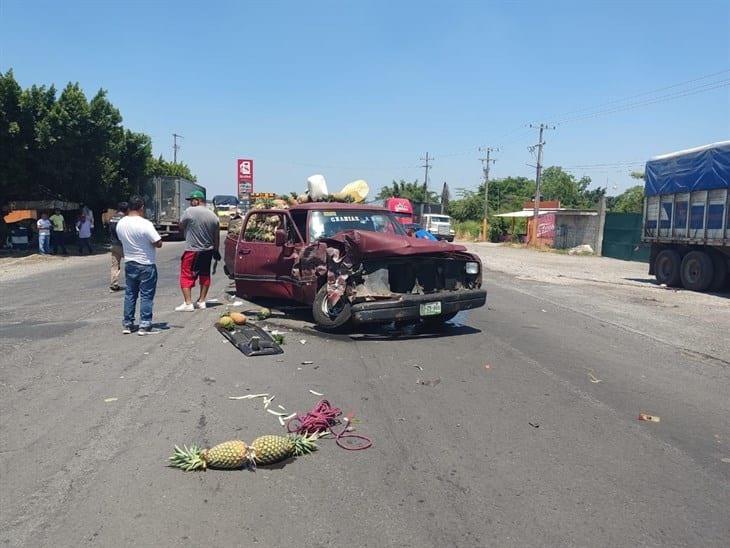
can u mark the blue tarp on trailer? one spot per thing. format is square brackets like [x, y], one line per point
[702, 168]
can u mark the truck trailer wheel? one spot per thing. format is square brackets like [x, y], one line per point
[667, 266]
[330, 318]
[719, 263]
[697, 271]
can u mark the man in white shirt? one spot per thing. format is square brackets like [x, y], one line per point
[44, 234]
[139, 241]
[83, 228]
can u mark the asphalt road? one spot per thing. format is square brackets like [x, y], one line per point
[543, 447]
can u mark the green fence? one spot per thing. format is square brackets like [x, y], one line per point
[621, 237]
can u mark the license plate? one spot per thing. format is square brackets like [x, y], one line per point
[431, 309]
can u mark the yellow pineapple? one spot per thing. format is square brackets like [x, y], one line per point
[227, 455]
[271, 449]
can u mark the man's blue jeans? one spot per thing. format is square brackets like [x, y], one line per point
[140, 280]
[44, 243]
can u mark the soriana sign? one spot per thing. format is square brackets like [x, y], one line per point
[245, 176]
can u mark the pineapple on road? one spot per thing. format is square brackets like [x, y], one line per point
[272, 448]
[228, 455]
[234, 454]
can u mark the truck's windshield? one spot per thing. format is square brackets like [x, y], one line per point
[225, 200]
[324, 224]
[439, 219]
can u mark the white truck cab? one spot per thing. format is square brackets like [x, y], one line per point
[439, 225]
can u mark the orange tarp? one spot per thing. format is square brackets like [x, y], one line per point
[20, 215]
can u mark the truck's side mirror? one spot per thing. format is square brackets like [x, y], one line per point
[280, 237]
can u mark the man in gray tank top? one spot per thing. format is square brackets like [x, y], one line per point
[202, 240]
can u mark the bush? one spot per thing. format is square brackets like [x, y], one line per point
[467, 230]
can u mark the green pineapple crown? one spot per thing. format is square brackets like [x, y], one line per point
[304, 444]
[188, 458]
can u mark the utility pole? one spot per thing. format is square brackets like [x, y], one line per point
[425, 179]
[175, 146]
[538, 175]
[485, 169]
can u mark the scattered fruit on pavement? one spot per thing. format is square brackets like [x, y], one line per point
[238, 318]
[264, 313]
[228, 455]
[272, 449]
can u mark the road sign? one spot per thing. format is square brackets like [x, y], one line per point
[244, 174]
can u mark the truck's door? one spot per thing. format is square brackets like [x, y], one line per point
[263, 269]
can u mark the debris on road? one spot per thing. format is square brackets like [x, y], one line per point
[277, 413]
[250, 339]
[110, 400]
[418, 367]
[235, 454]
[237, 303]
[315, 393]
[593, 378]
[487, 366]
[248, 397]
[429, 382]
[307, 362]
[302, 341]
[649, 418]
[278, 339]
[321, 420]
[534, 424]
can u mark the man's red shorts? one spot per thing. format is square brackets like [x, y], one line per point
[195, 265]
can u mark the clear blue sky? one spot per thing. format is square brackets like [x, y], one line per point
[363, 89]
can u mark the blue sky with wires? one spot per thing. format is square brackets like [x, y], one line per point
[363, 90]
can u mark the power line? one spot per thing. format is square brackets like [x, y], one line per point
[671, 96]
[629, 97]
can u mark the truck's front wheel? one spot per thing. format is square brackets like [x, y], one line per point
[330, 317]
[697, 271]
[667, 266]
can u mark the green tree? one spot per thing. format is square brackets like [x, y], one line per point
[160, 167]
[630, 201]
[413, 191]
[72, 148]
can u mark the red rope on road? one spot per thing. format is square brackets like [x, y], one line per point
[322, 418]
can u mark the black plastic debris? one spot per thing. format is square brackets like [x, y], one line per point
[251, 340]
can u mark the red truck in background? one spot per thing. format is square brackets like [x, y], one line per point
[402, 209]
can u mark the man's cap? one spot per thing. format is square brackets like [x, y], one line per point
[196, 195]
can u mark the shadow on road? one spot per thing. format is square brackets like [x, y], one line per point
[651, 281]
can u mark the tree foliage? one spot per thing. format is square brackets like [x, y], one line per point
[630, 201]
[68, 147]
[558, 184]
[412, 191]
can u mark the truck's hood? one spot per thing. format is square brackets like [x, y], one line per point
[360, 244]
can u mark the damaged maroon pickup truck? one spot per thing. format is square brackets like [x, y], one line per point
[351, 263]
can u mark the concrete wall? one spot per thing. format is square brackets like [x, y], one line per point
[572, 230]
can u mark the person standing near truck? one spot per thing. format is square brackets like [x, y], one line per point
[83, 228]
[139, 241]
[44, 234]
[202, 240]
[58, 233]
[116, 247]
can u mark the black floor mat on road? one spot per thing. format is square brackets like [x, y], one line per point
[251, 340]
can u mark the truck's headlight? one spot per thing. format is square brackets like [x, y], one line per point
[472, 268]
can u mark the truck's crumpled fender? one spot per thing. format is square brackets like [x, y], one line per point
[317, 260]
